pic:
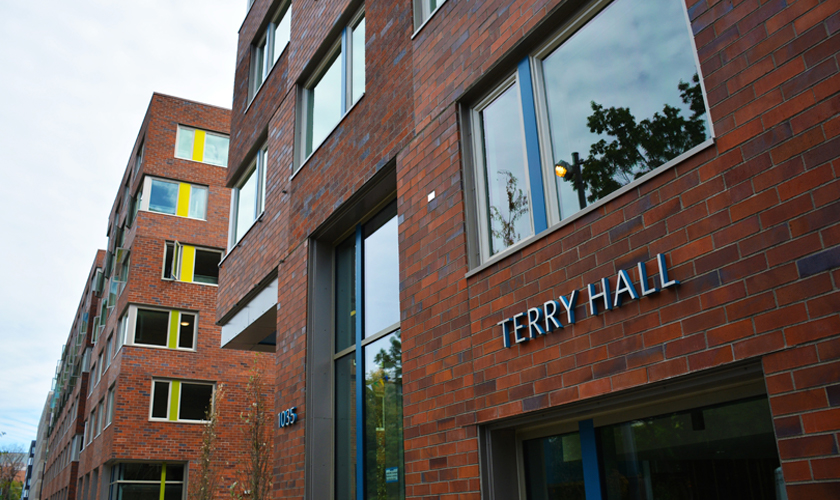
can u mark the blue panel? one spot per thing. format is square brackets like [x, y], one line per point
[360, 370]
[589, 452]
[532, 145]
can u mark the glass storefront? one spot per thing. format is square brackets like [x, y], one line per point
[724, 451]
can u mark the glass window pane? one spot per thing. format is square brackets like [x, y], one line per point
[163, 197]
[554, 468]
[186, 331]
[258, 62]
[345, 294]
[382, 278]
[216, 149]
[246, 205]
[359, 60]
[282, 33]
[207, 266]
[508, 193]
[725, 451]
[168, 257]
[138, 491]
[160, 400]
[345, 428]
[152, 327]
[195, 401]
[174, 472]
[384, 471]
[198, 202]
[324, 105]
[621, 93]
[184, 148]
[172, 491]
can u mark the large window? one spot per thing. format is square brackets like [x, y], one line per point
[358, 283]
[423, 10]
[147, 481]
[191, 264]
[248, 197]
[614, 96]
[271, 44]
[177, 400]
[161, 328]
[174, 198]
[337, 84]
[200, 145]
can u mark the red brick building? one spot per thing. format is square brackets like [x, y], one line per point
[576, 247]
[144, 350]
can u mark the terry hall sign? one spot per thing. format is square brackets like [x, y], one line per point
[537, 321]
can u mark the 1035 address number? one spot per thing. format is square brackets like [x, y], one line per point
[287, 417]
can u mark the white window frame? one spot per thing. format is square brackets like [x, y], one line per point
[480, 257]
[131, 325]
[177, 261]
[423, 12]
[109, 418]
[258, 167]
[147, 188]
[263, 56]
[206, 133]
[169, 408]
[344, 48]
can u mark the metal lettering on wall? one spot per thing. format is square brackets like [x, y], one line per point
[538, 321]
[287, 417]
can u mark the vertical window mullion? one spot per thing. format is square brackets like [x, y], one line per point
[532, 145]
[589, 453]
[360, 369]
[345, 69]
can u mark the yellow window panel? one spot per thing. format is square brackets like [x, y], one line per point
[174, 328]
[174, 396]
[163, 481]
[187, 263]
[183, 209]
[198, 146]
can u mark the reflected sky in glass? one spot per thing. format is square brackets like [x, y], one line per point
[163, 197]
[508, 195]
[325, 105]
[633, 54]
[382, 278]
[282, 33]
[198, 202]
[358, 60]
[246, 205]
[185, 143]
[216, 149]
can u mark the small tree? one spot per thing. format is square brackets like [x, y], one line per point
[203, 485]
[11, 463]
[255, 482]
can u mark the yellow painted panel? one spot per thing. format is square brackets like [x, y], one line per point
[163, 481]
[183, 209]
[174, 324]
[198, 146]
[187, 263]
[174, 398]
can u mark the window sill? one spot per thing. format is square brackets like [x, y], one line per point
[424, 23]
[519, 245]
[161, 347]
[166, 420]
[200, 162]
[327, 138]
[174, 215]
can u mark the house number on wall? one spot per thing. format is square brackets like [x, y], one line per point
[287, 417]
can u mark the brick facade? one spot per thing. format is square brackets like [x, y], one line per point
[133, 436]
[748, 225]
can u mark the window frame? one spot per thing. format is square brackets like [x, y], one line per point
[423, 12]
[146, 186]
[131, 326]
[176, 267]
[340, 52]
[169, 399]
[206, 133]
[115, 482]
[258, 167]
[263, 50]
[528, 77]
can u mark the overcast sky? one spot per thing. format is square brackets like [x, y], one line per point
[76, 78]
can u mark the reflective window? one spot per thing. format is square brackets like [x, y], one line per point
[249, 197]
[337, 85]
[175, 198]
[152, 327]
[163, 197]
[178, 400]
[144, 481]
[609, 99]
[272, 43]
[423, 9]
[201, 145]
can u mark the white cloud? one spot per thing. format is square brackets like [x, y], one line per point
[77, 79]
